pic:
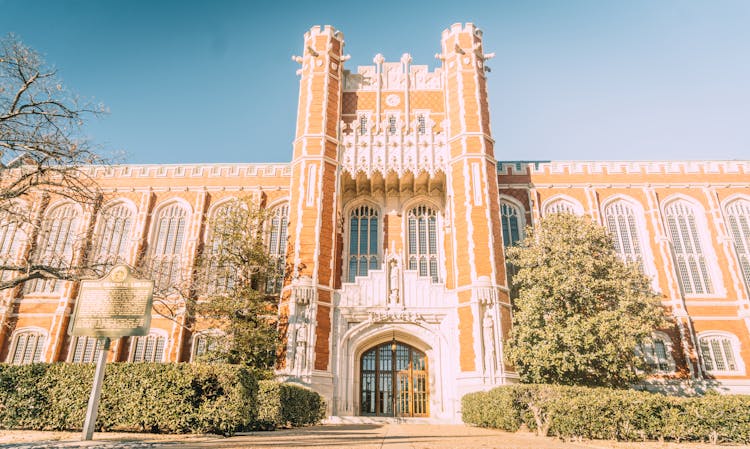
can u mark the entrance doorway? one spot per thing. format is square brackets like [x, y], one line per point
[393, 381]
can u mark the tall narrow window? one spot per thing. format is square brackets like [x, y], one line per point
[421, 125]
[363, 241]
[623, 227]
[511, 222]
[27, 348]
[111, 241]
[55, 246]
[220, 277]
[423, 242]
[11, 238]
[392, 125]
[277, 246]
[84, 349]
[166, 254]
[688, 248]
[362, 124]
[738, 215]
[149, 348]
[718, 352]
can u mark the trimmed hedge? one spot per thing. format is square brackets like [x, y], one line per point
[152, 397]
[288, 405]
[601, 413]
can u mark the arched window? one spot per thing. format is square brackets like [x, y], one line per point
[622, 225]
[512, 223]
[111, 241]
[738, 215]
[277, 239]
[84, 349]
[560, 206]
[205, 342]
[363, 124]
[149, 348]
[364, 229]
[657, 353]
[27, 347]
[220, 277]
[422, 238]
[688, 248]
[719, 353]
[165, 263]
[55, 248]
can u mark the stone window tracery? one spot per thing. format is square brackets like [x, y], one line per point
[656, 351]
[738, 216]
[84, 349]
[423, 241]
[165, 264]
[719, 353]
[622, 225]
[111, 242]
[149, 348]
[688, 248]
[364, 231]
[56, 241]
[277, 239]
[27, 347]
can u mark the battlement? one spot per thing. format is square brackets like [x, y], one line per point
[327, 30]
[393, 77]
[458, 28]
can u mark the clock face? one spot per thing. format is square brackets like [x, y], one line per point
[392, 100]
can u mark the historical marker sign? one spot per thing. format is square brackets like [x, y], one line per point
[117, 305]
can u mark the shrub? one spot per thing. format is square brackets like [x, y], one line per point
[152, 397]
[601, 413]
[281, 404]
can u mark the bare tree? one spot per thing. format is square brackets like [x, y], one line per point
[42, 151]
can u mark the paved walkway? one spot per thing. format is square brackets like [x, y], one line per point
[364, 436]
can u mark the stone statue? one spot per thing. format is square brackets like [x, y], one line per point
[395, 281]
[488, 325]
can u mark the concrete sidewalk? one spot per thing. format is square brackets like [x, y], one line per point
[365, 436]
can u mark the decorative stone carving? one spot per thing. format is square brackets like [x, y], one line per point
[484, 292]
[394, 78]
[394, 284]
[488, 335]
[394, 316]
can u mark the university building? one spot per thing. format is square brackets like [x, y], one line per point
[393, 216]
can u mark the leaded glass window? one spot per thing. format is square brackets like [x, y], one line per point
[11, 238]
[622, 225]
[55, 248]
[362, 124]
[166, 254]
[111, 243]
[656, 352]
[718, 353]
[277, 240]
[738, 216]
[422, 239]
[392, 129]
[27, 348]
[510, 216]
[84, 349]
[688, 248]
[149, 348]
[421, 124]
[364, 229]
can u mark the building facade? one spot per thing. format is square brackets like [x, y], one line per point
[393, 216]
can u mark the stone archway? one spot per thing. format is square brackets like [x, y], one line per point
[394, 381]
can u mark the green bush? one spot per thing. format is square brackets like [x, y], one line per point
[601, 413]
[151, 397]
[281, 404]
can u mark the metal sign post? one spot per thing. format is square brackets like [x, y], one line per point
[117, 305]
[96, 390]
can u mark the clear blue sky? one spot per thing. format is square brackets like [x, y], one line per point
[213, 81]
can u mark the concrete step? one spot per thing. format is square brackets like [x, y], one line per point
[383, 420]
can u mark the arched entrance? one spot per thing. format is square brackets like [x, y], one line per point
[393, 376]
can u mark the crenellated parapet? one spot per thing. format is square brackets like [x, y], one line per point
[393, 76]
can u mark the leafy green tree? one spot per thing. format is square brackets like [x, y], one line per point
[230, 287]
[581, 311]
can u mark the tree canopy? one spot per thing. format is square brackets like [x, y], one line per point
[581, 311]
[42, 148]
